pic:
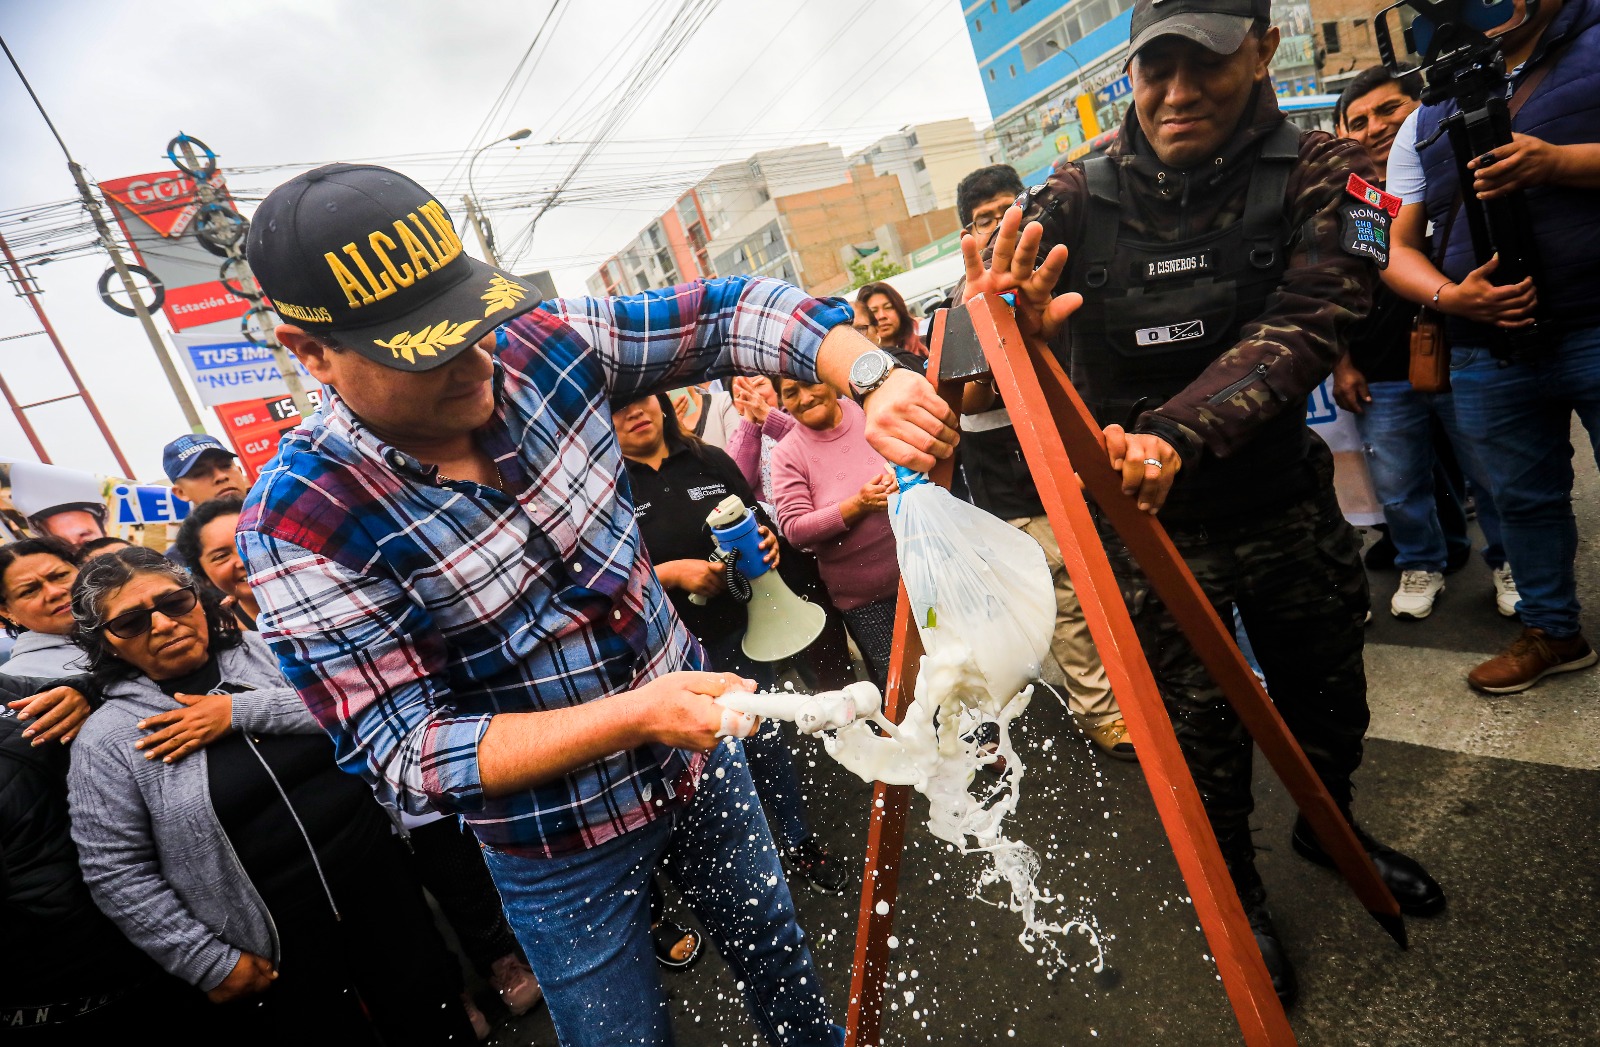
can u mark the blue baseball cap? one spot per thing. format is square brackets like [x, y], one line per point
[181, 456]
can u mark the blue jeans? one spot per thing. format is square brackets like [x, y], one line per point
[771, 760]
[1397, 429]
[584, 920]
[1519, 420]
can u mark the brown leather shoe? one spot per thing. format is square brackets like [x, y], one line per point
[1530, 658]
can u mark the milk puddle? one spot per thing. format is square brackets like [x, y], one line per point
[954, 738]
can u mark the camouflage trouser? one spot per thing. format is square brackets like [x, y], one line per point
[1297, 579]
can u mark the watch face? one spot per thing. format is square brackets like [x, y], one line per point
[868, 369]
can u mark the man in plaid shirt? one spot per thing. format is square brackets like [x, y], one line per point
[450, 573]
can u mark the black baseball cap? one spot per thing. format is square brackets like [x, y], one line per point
[368, 256]
[1216, 25]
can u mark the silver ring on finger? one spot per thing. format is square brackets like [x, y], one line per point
[1155, 462]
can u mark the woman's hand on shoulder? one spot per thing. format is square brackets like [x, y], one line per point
[57, 714]
[173, 735]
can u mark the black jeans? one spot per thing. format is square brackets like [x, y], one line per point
[380, 974]
[449, 862]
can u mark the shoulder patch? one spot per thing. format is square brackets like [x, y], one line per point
[1364, 231]
[1370, 194]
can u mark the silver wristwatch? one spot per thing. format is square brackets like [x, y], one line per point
[870, 370]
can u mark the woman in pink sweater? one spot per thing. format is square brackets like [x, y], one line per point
[832, 492]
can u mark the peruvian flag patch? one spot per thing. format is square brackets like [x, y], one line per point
[1368, 193]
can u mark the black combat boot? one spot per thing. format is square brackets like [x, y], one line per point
[1239, 854]
[1417, 892]
[1284, 982]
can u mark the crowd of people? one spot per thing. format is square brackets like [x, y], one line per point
[464, 636]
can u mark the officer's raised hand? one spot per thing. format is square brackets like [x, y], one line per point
[1040, 311]
[1148, 465]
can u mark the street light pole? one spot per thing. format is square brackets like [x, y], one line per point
[480, 222]
[1086, 117]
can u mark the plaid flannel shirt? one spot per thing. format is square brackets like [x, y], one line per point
[408, 611]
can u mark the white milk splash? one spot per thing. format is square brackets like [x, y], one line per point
[939, 749]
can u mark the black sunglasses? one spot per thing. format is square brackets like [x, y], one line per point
[136, 622]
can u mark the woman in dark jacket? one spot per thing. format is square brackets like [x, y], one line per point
[67, 975]
[254, 868]
[677, 480]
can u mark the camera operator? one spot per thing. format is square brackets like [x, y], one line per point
[1518, 413]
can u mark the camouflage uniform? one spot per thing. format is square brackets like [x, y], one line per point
[1280, 551]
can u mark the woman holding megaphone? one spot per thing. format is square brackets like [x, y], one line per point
[677, 481]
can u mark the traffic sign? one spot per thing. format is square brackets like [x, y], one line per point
[1119, 88]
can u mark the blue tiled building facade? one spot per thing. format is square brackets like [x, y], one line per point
[1036, 57]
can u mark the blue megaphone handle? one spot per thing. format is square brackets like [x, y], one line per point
[744, 537]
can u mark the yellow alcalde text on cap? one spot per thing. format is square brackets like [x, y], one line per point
[364, 283]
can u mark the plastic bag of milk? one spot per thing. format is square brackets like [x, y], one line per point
[974, 578]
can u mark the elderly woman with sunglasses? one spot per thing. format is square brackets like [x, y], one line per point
[243, 861]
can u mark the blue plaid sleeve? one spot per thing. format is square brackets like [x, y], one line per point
[368, 664]
[706, 329]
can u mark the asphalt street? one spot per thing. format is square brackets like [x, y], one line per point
[1498, 797]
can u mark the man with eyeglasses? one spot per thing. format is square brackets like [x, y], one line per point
[983, 196]
[997, 482]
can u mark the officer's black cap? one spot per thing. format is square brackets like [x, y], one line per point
[1217, 25]
[370, 258]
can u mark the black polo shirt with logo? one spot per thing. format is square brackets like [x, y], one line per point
[671, 504]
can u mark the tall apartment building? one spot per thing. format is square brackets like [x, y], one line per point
[793, 214]
[1345, 39]
[1035, 58]
[730, 207]
[929, 160]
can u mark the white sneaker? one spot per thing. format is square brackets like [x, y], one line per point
[1414, 598]
[1506, 596]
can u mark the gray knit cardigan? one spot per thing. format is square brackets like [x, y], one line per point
[154, 854]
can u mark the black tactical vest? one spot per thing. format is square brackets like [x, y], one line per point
[1155, 315]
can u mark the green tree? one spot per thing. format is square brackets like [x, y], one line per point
[870, 270]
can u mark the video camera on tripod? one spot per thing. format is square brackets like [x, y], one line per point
[1462, 59]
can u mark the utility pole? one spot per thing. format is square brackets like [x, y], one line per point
[109, 242]
[26, 289]
[480, 226]
[236, 251]
[476, 216]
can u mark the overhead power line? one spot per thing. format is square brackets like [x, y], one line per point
[524, 68]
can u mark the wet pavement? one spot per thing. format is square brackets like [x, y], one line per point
[1500, 798]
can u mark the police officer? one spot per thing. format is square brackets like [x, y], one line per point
[1221, 256]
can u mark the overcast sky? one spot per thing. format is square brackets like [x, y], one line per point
[278, 83]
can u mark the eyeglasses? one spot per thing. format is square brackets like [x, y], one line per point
[983, 224]
[136, 622]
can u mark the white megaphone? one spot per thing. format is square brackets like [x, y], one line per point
[780, 624]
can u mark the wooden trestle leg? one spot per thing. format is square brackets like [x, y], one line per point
[1061, 444]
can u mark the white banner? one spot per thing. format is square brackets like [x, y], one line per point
[226, 372]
